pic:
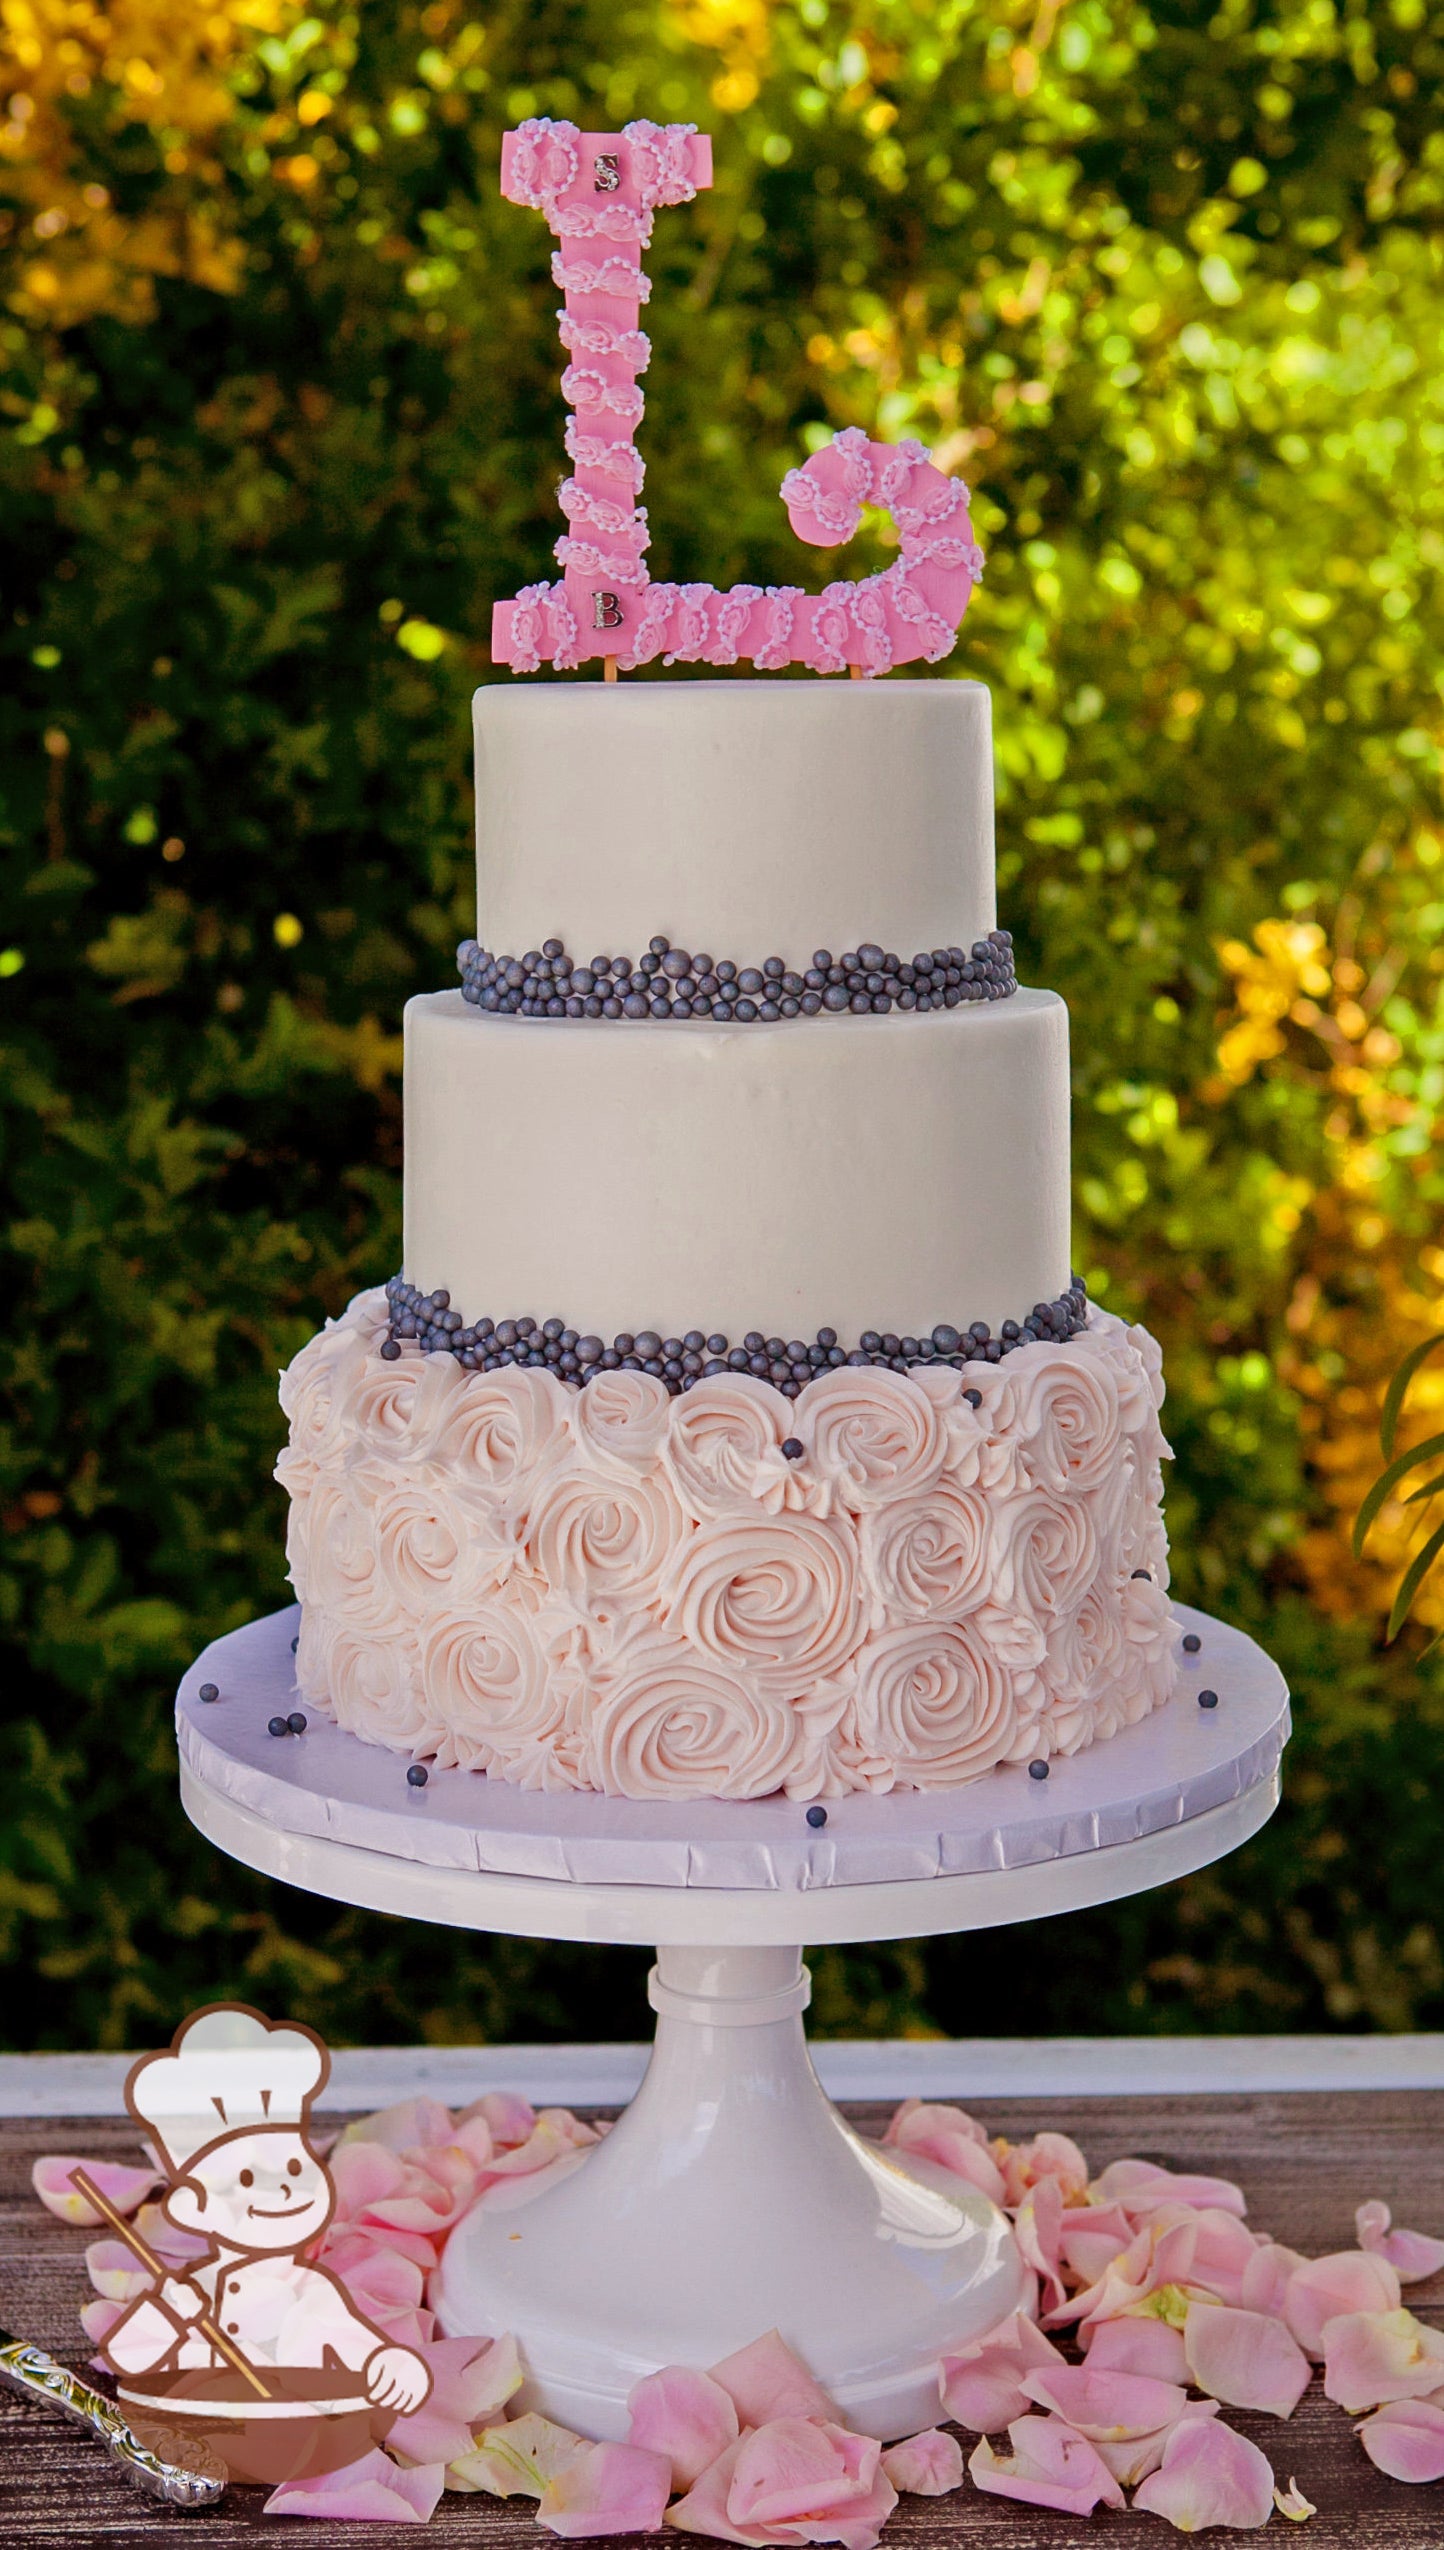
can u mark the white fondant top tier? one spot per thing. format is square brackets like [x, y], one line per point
[748, 819]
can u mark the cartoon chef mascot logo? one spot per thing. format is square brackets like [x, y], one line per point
[252, 2347]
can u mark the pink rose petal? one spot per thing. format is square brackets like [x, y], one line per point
[1223, 2250]
[412, 2123]
[766, 2380]
[371, 2490]
[555, 2136]
[123, 2188]
[99, 2317]
[1245, 2359]
[476, 2139]
[798, 2480]
[387, 2287]
[1374, 2356]
[982, 2385]
[609, 2488]
[1141, 2186]
[517, 2459]
[1412, 2254]
[685, 2416]
[1209, 2474]
[1292, 2502]
[169, 2242]
[704, 2508]
[926, 2465]
[1138, 2345]
[362, 2174]
[471, 2381]
[1266, 2278]
[1406, 2440]
[1049, 2466]
[1091, 2237]
[430, 2198]
[1048, 2155]
[115, 2271]
[1159, 2257]
[947, 2135]
[379, 2278]
[1136, 2455]
[1325, 2289]
[1037, 2227]
[508, 2118]
[923, 2117]
[1106, 2407]
[347, 2244]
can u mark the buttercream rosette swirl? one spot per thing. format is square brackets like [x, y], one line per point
[614, 1589]
[668, 1722]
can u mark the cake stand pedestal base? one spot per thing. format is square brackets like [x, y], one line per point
[732, 2192]
[731, 2197]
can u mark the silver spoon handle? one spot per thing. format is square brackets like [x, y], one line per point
[31, 2370]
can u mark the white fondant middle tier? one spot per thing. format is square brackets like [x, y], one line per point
[858, 1173]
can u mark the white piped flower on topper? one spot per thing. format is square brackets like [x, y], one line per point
[598, 193]
[250, 2345]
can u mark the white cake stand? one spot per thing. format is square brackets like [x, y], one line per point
[731, 2197]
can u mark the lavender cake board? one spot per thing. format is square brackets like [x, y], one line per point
[1181, 1763]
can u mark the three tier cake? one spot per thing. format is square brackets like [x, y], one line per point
[738, 1424]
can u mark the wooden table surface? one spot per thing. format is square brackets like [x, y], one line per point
[1303, 2160]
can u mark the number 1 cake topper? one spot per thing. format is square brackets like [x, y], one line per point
[598, 192]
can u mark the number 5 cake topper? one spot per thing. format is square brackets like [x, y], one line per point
[598, 192]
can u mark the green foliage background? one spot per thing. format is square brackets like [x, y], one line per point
[1165, 283]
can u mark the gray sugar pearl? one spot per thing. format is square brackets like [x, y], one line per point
[817, 1817]
[1208, 1699]
[676, 962]
[1037, 1770]
[792, 1449]
[634, 1006]
[297, 1722]
[210, 1691]
[278, 1726]
[1191, 1646]
[417, 1775]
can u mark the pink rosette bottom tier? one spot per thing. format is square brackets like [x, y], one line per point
[609, 1589]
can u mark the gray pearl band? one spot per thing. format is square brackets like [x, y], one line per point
[428, 1320]
[668, 983]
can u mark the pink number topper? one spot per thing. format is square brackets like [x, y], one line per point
[598, 192]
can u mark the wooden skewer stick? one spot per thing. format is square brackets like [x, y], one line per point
[86, 2187]
[609, 668]
[856, 671]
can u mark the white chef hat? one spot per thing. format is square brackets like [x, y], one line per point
[229, 2071]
